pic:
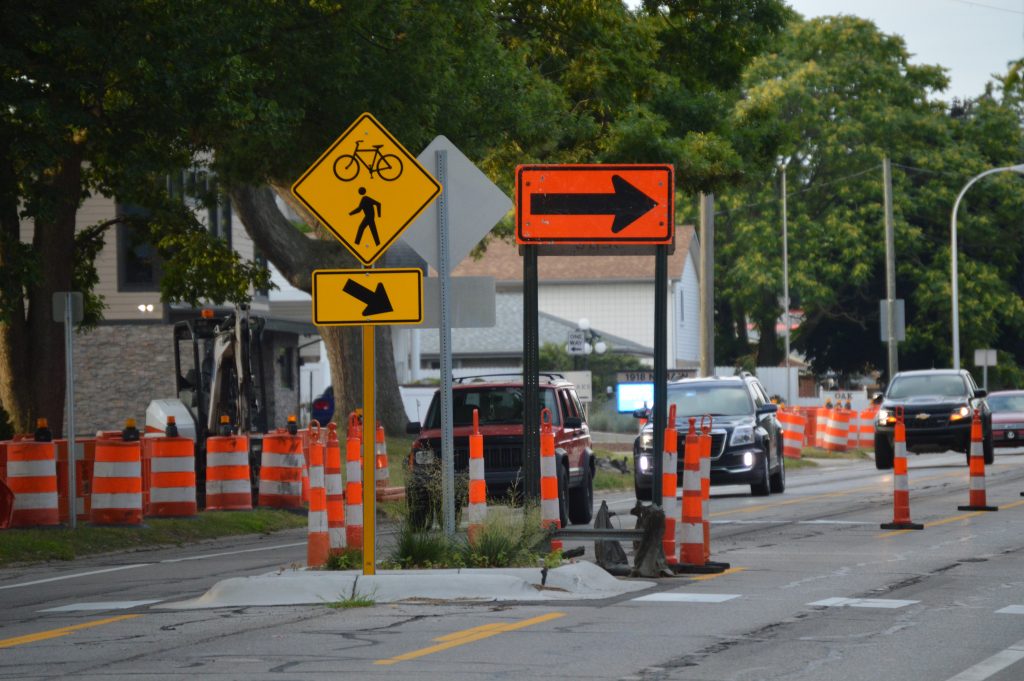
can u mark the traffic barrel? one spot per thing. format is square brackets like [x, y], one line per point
[381, 474]
[669, 464]
[335, 492]
[477, 511]
[227, 473]
[172, 482]
[792, 433]
[318, 544]
[866, 428]
[549, 502]
[705, 482]
[691, 552]
[32, 478]
[353, 483]
[281, 466]
[117, 482]
[976, 463]
[836, 430]
[900, 486]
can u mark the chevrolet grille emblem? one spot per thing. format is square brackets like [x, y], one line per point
[922, 417]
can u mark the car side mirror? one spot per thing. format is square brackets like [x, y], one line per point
[980, 392]
[767, 409]
[412, 428]
[573, 422]
[876, 398]
[641, 413]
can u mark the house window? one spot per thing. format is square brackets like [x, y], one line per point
[138, 264]
[286, 360]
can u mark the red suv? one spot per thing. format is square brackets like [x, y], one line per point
[500, 407]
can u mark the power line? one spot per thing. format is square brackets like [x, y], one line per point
[981, 4]
[815, 187]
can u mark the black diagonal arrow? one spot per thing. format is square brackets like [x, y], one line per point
[377, 302]
[626, 203]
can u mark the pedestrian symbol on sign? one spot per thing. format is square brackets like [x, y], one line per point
[370, 210]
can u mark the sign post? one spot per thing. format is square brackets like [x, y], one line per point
[68, 308]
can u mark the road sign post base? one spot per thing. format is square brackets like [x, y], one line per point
[901, 526]
[709, 568]
[977, 508]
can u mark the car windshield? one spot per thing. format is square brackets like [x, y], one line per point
[717, 400]
[1000, 403]
[496, 405]
[945, 385]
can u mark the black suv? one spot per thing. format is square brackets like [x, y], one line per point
[499, 404]
[938, 405]
[746, 437]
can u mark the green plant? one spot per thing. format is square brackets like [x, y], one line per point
[423, 549]
[350, 559]
[509, 537]
[353, 600]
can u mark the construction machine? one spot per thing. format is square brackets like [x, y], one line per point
[218, 373]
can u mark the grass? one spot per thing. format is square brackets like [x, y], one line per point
[43, 544]
[606, 479]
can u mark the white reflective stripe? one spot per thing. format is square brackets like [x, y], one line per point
[354, 515]
[899, 483]
[318, 521]
[227, 459]
[900, 449]
[176, 464]
[159, 495]
[476, 469]
[24, 502]
[691, 482]
[976, 449]
[334, 484]
[105, 501]
[705, 467]
[227, 486]
[285, 489]
[547, 466]
[382, 473]
[316, 476]
[106, 469]
[353, 471]
[476, 513]
[977, 483]
[31, 469]
[275, 460]
[549, 509]
[337, 537]
[693, 533]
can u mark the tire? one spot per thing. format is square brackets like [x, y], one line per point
[988, 450]
[763, 487]
[642, 493]
[778, 479]
[883, 452]
[581, 500]
[563, 496]
[421, 512]
[349, 170]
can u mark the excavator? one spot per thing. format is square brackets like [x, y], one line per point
[218, 367]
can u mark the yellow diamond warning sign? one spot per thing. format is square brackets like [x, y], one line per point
[367, 297]
[366, 188]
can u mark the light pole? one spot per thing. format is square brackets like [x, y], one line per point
[1019, 168]
[593, 342]
[785, 285]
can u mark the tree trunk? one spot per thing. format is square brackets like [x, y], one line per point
[296, 255]
[14, 359]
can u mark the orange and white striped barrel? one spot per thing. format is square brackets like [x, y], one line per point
[32, 477]
[792, 433]
[852, 429]
[866, 428]
[318, 544]
[836, 430]
[976, 463]
[227, 473]
[382, 475]
[335, 492]
[810, 415]
[705, 482]
[477, 511]
[669, 464]
[117, 483]
[900, 485]
[172, 482]
[354, 483]
[281, 465]
[550, 517]
[691, 551]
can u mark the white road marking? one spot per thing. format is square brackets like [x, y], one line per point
[1012, 610]
[669, 597]
[107, 605]
[993, 665]
[234, 553]
[863, 603]
[75, 575]
[791, 522]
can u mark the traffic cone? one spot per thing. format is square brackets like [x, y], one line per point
[354, 483]
[668, 485]
[477, 512]
[549, 512]
[977, 465]
[901, 489]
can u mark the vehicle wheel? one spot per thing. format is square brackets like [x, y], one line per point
[883, 452]
[642, 493]
[778, 478]
[988, 450]
[421, 514]
[762, 488]
[563, 496]
[581, 501]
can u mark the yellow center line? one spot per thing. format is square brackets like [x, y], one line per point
[57, 633]
[951, 519]
[460, 638]
[704, 578]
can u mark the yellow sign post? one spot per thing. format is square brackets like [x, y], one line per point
[372, 296]
[366, 188]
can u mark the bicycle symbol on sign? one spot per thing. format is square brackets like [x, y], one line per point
[387, 167]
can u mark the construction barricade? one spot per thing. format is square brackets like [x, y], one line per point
[281, 466]
[976, 463]
[823, 414]
[792, 432]
[836, 429]
[117, 483]
[550, 515]
[695, 548]
[227, 473]
[382, 475]
[318, 542]
[900, 485]
[477, 511]
[335, 492]
[669, 464]
[32, 478]
[172, 477]
[354, 483]
[866, 428]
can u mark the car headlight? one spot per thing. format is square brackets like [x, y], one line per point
[423, 457]
[748, 459]
[884, 417]
[960, 413]
[647, 440]
[645, 464]
[742, 435]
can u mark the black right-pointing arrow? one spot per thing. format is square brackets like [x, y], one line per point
[626, 203]
[377, 302]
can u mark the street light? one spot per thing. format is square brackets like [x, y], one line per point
[785, 283]
[591, 341]
[1019, 168]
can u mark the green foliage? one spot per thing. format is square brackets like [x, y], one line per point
[424, 549]
[350, 559]
[6, 429]
[509, 537]
[603, 367]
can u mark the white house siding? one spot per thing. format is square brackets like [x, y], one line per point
[688, 295]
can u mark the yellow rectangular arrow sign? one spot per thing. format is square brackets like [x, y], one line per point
[367, 297]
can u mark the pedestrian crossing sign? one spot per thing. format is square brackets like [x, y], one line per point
[366, 188]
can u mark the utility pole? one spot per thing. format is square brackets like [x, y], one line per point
[707, 284]
[890, 269]
[785, 286]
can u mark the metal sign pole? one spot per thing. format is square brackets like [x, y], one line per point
[369, 453]
[444, 279]
[70, 389]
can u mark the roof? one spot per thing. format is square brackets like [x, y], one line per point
[502, 261]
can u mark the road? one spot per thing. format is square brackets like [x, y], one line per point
[816, 591]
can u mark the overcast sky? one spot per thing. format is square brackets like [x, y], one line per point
[971, 38]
